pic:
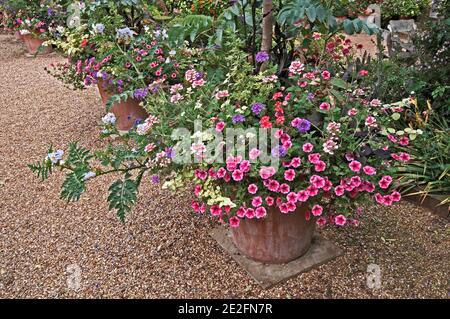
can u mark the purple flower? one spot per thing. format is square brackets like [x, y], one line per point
[279, 151]
[170, 153]
[155, 179]
[257, 108]
[140, 94]
[238, 118]
[310, 96]
[303, 126]
[262, 56]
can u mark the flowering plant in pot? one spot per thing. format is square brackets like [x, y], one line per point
[309, 147]
[39, 22]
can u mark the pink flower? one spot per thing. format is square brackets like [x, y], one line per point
[260, 212]
[375, 103]
[250, 213]
[356, 181]
[284, 188]
[296, 162]
[266, 172]
[270, 201]
[252, 188]
[245, 166]
[379, 198]
[302, 196]
[314, 158]
[237, 175]
[396, 196]
[369, 187]
[320, 166]
[254, 153]
[316, 35]
[324, 106]
[240, 212]
[363, 72]
[317, 210]
[215, 210]
[149, 147]
[321, 221]
[234, 222]
[352, 112]
[201, 174]
[369, 170]
[404, 157]
[284, 208]
[339, 190]
[289, 175]
[257, 201]
[291, 206]
[292, 197]
[404, 141]
[220, 126]
[384, 183]
[221, 94]
[221, 172]
[355, 166]
[231, 166]
[387, 200]
[371, 121]
[273, 185]
[340, 220]
[308, 147]
[326, 75]
[197, 189]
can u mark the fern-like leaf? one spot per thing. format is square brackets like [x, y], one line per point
[73, 186]
[78, 155]
[42, 169]
[122, 196]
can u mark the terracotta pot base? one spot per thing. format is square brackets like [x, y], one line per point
[278, 238]
[34, 45]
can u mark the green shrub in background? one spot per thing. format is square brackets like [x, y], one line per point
[395, 9]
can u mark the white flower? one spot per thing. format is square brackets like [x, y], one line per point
[55, 157]
[88, 175]
[60, 29]
[109, 118]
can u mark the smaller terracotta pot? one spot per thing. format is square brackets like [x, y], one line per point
[18, 36]
[34, 44]
[127, 112]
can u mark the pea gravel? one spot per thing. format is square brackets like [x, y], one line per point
[163, 251]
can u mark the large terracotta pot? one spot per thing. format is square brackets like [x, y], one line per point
[34, 44]
[278, 238]
[127, 112]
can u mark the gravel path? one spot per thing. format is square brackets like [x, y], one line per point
[162, 250]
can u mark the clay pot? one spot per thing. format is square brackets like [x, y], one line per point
[278, 238]
[18, 36]
[34, 44]
[127, 112]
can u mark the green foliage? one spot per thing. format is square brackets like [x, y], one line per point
[394, 9]
[43, 168]
[430, 168]
[74, 185]
[122, 196]
[78, 156]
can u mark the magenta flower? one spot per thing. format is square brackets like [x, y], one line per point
[260, 212]
[289, 175]
[317, 210]
[234, 222]
[252, 188]
[340, 220]
[355, 166]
